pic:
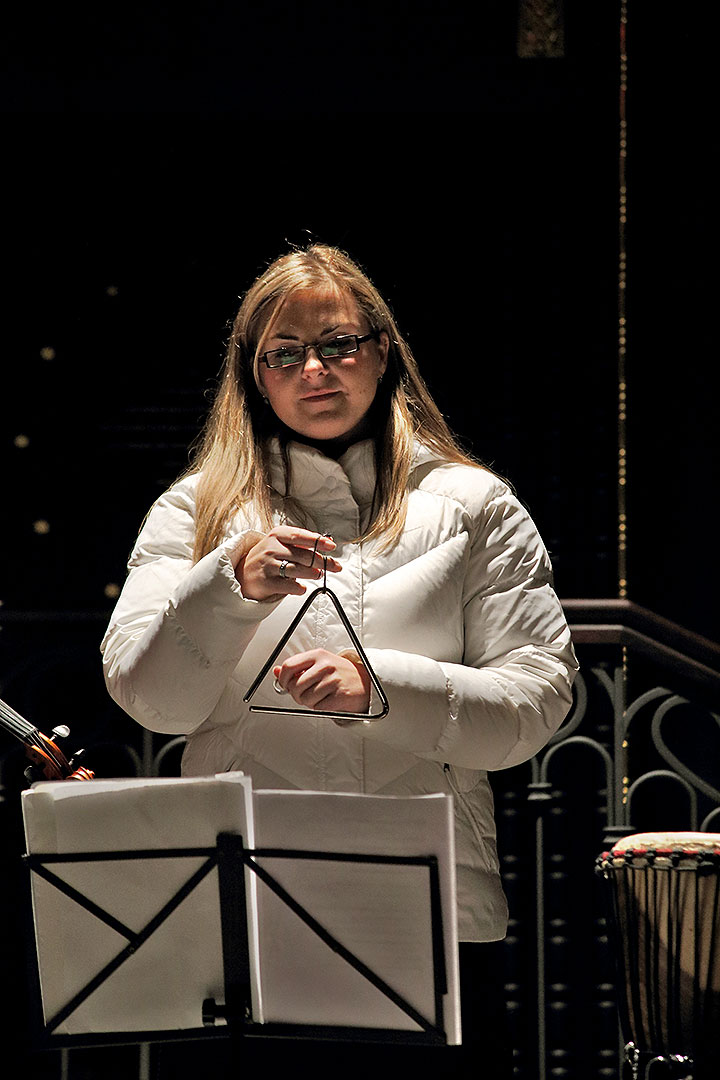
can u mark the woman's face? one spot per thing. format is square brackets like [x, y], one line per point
[322, 398]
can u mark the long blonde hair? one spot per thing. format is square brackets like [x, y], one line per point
[232, 454]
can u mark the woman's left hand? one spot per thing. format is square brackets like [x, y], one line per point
[319, 679]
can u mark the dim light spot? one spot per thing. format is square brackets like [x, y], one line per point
[41, 526]
[47, 353]
[21, 441]
[112, 591]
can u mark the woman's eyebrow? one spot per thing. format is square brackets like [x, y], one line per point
[281, 335]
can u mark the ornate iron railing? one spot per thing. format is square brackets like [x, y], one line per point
[640, 751]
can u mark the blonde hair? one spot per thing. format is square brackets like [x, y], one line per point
[232, 455]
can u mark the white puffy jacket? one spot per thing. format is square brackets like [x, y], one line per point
[459, 621]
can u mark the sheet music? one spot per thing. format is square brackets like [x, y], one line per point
[380, 912]
[162, 986]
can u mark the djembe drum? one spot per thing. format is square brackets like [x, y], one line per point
[664, 893]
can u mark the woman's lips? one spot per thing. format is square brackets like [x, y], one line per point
[321, 395]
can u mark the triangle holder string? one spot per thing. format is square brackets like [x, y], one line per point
[335, 715]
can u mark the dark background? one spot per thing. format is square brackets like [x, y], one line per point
[153, 167]
[153, 164]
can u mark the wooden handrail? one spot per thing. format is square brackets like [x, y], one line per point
[621, 622]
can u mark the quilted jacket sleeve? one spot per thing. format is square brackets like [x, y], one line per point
[514, 688]
[178, 629]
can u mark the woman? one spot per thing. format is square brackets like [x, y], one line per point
[325, 449]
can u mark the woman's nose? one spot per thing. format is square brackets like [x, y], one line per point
[314, 363]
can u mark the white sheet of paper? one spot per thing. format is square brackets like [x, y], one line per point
[162, 986]
[381, 913]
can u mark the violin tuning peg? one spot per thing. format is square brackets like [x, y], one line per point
[61, 731]
[32, 775]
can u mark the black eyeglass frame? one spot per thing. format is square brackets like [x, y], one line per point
[359, 340]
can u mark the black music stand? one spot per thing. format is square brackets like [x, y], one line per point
[234, 1016]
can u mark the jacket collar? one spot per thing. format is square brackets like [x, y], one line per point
[314, 476]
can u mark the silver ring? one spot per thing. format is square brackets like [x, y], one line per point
[283, 566]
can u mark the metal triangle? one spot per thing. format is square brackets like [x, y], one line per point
[309, 601]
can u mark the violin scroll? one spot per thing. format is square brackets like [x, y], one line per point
[49, 762]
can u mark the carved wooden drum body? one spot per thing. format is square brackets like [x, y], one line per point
[665, 914]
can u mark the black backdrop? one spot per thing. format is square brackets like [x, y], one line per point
[482, 192]
[484, 260]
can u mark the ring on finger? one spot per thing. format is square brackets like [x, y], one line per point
[283, 567]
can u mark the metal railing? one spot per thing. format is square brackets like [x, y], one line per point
[637, 753]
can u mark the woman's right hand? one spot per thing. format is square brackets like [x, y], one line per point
[272, 567]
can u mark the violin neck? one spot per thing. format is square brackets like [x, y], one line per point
[16, 724]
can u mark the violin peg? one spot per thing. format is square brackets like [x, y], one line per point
[79, 772]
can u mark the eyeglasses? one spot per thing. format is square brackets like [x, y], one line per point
[344, 345]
